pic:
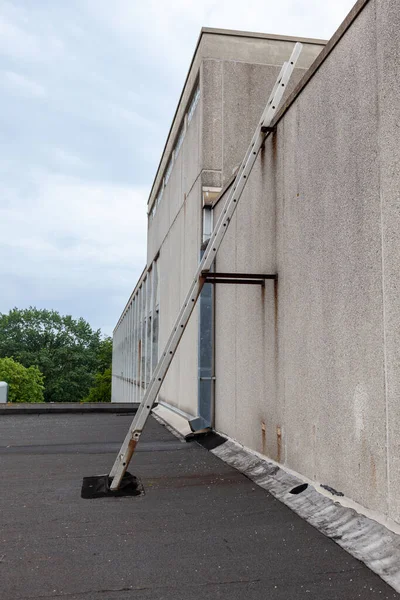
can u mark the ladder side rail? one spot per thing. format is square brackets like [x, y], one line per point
[122, 461]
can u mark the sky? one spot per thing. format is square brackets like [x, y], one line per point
[88, 89]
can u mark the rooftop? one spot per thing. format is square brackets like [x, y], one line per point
[201, 530]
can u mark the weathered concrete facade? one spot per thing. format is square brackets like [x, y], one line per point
[307, 368]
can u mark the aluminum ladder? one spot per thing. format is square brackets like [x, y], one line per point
[262, 131]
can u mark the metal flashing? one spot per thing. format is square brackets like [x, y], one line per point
[264, 36]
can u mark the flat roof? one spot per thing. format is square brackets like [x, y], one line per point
[202, 529]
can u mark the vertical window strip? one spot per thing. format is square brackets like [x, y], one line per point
[160, 194]
[179, 140]
[168, 171]
[193, 103]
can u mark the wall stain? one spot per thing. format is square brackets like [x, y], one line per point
[278, 443]
[373, 471]
[263, 438]
[274, 147]
[276, 305]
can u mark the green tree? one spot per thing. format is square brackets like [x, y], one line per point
[66, 350]
[101, 390]
[25, 384]
[104, 356]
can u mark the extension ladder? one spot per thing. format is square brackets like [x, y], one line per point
[263, 129]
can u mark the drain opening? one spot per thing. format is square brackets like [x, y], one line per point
[299, 488]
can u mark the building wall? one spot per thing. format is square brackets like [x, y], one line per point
[206, 158]
[307, 369]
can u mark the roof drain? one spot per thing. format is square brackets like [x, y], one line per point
[299, 488]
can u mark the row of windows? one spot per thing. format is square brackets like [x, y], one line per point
[178, 143]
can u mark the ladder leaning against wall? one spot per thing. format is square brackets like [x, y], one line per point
[111, 484]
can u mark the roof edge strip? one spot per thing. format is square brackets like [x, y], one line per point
[264, 36]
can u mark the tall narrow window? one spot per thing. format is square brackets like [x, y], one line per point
[193, 103]
[139, 362]
[207, 223]
[168, 171]
[159, 195]
[210, 194]
[179, 140]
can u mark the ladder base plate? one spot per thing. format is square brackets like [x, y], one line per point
[98, 486]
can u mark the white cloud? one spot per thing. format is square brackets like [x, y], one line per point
[110, 74]
[15, 42]
[21, 84]
[64, 159]
[21, 41]
[74, 229]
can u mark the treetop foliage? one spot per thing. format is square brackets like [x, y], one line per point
[67, 351]
[24, 385]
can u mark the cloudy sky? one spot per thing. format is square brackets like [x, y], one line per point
[88, 89]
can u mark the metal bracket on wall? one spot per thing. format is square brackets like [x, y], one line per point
[241, 278]
[267, 129]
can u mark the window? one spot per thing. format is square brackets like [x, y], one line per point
[179, 140]
[168, 171]
[193, 103]
[207, 223]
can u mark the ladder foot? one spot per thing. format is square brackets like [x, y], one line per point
[98, 486]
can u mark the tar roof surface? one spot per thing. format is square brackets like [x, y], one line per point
[202, 529]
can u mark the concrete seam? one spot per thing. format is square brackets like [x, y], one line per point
[235, 291]
[382, 267]
[281, 341]
[246, 62]
[222, 120]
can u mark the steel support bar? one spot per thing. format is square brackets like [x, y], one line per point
[128, 447]
[238, 281]
[213, 275]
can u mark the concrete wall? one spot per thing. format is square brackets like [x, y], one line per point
[307, 371]
[206, 158]
[227, 45]
[179, 257]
